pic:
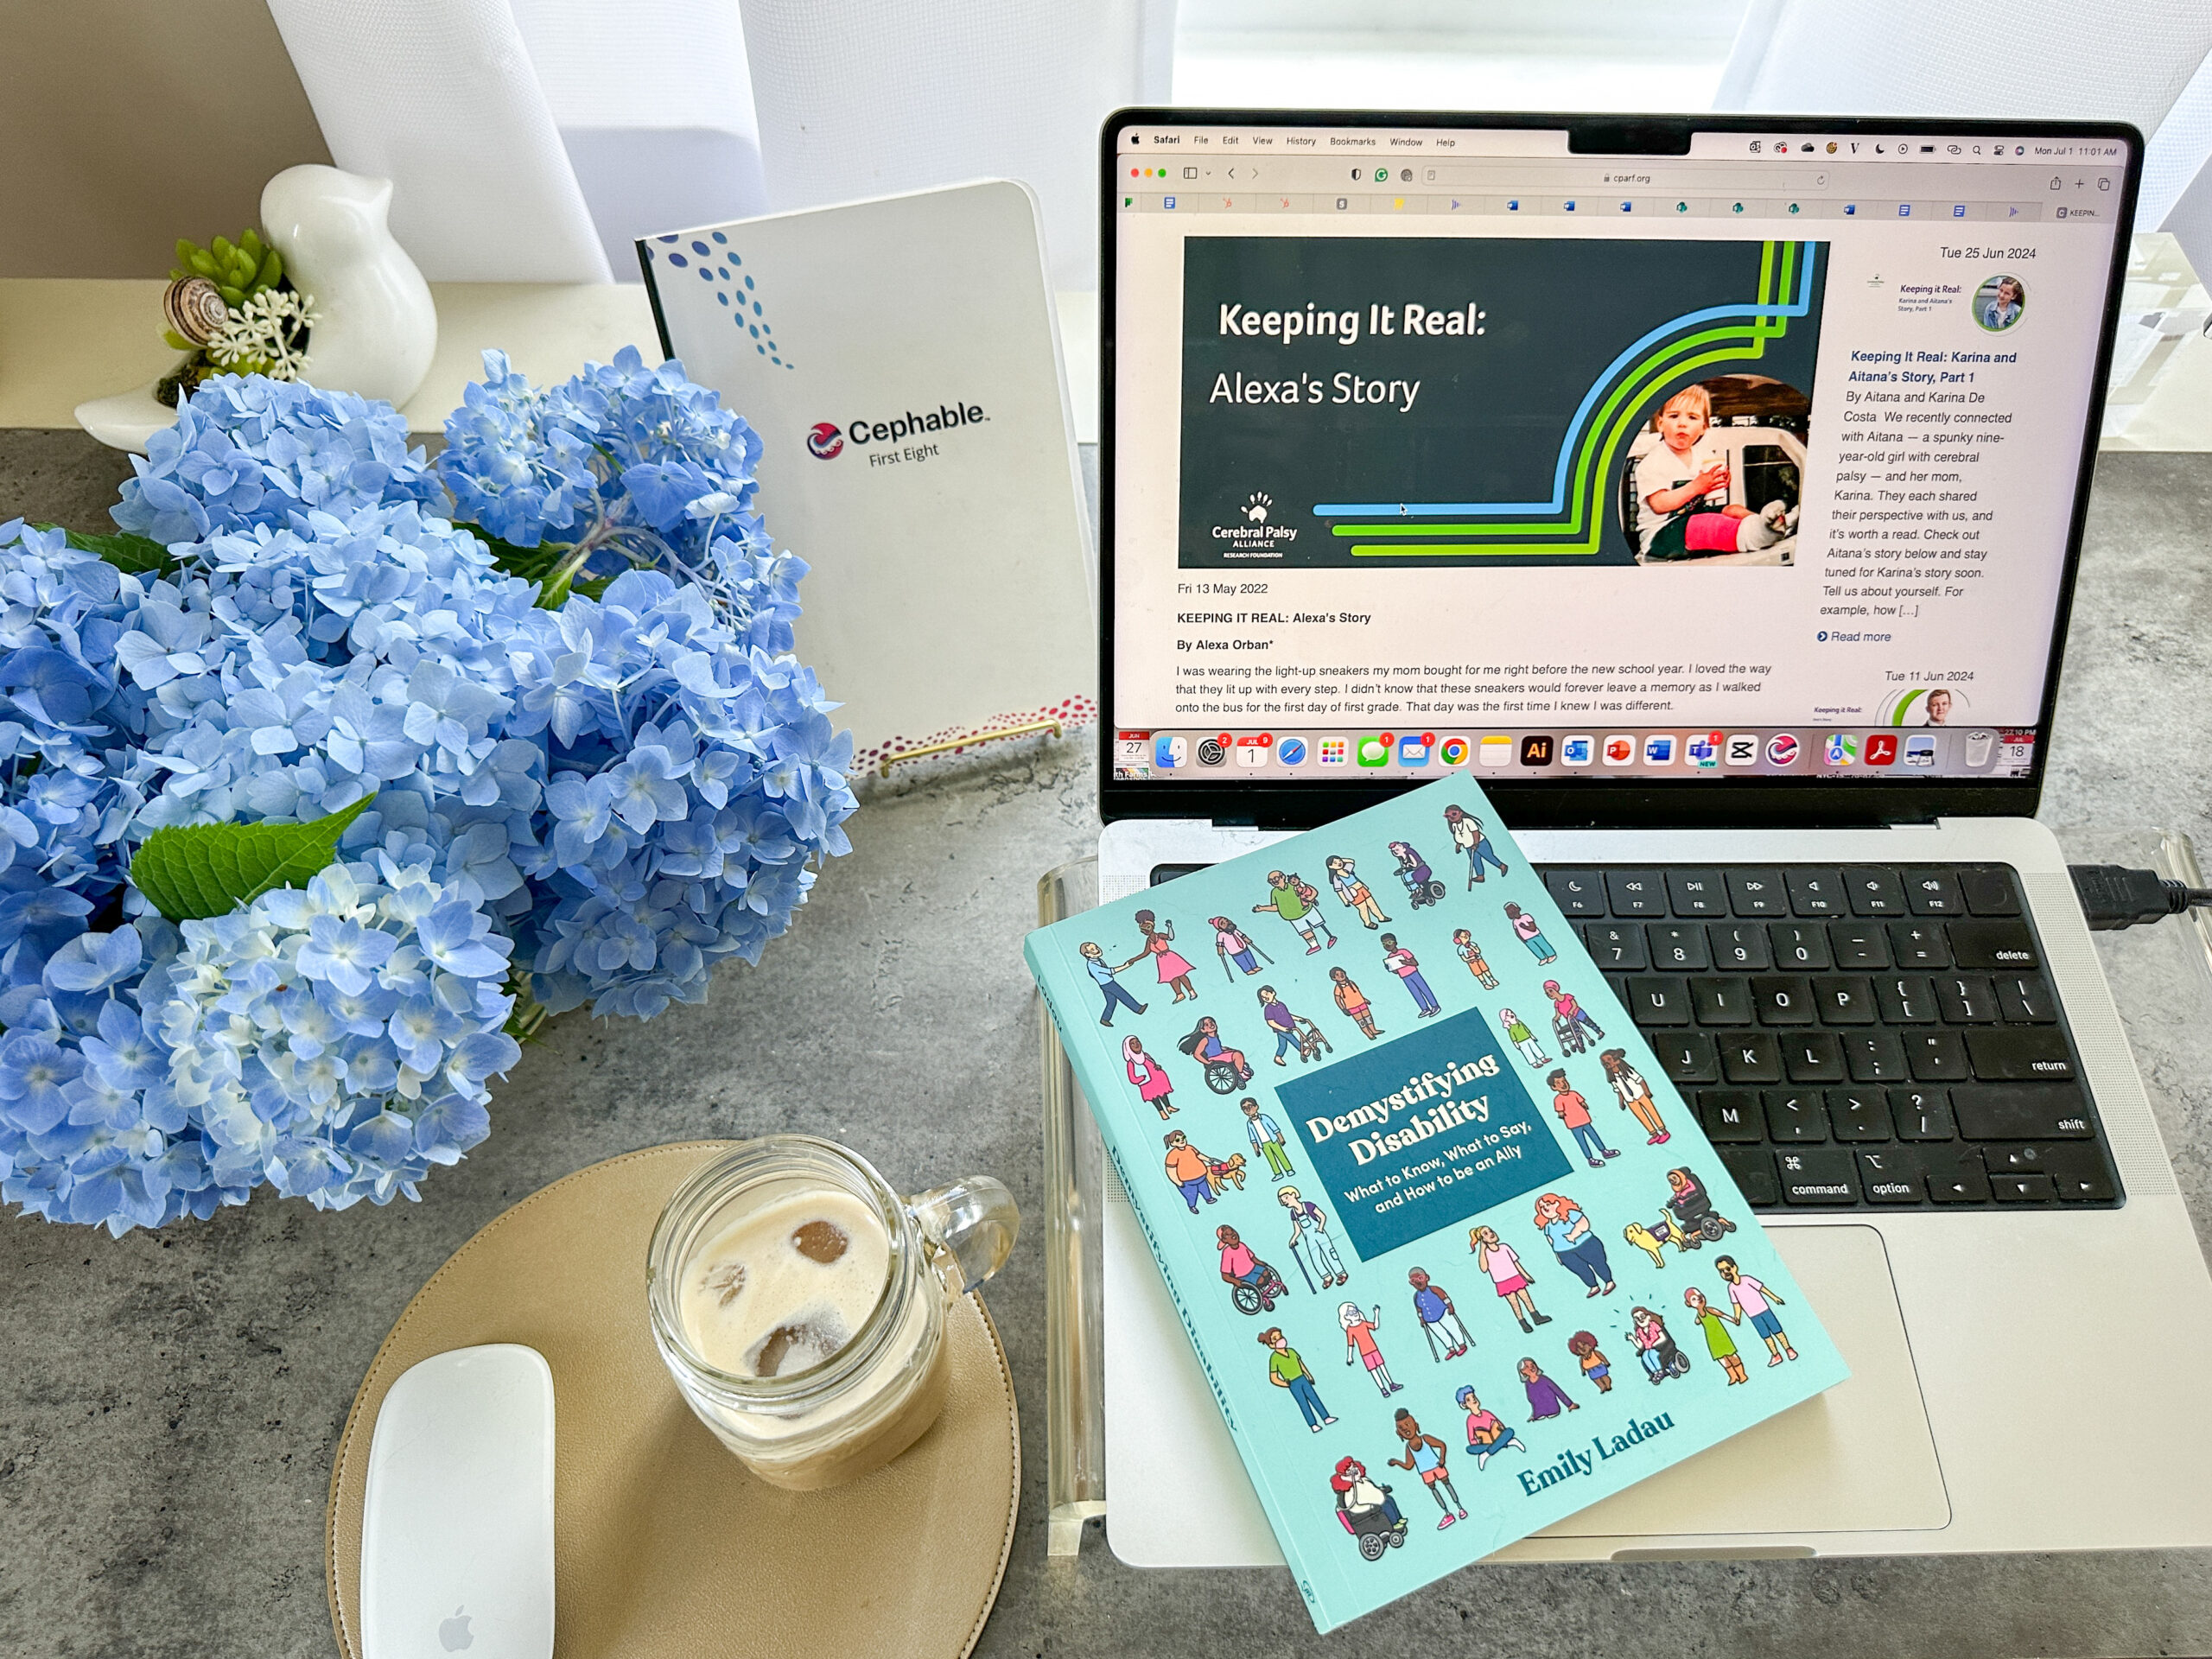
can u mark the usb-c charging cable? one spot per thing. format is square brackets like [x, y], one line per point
[2114, 896]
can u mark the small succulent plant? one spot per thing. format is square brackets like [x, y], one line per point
[237, 270]
[229, 308]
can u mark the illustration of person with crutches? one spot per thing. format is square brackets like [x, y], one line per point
[1310, 1225]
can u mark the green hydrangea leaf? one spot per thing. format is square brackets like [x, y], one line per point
[139, 555]
[192, 872]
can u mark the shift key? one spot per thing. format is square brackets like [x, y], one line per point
[2021, 1111]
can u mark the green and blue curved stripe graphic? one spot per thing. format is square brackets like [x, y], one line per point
[1571, 523]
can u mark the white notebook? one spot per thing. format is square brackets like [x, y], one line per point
[901, 361]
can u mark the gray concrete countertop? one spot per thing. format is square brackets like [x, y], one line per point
[168, 1403]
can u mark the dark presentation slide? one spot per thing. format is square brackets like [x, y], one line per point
[1423, 400]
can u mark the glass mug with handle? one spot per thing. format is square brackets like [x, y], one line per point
[799, 1302]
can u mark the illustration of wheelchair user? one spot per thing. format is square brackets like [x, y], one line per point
[1689, 1219]
[1370, 1513]
[1226, 1069]
[1254, 1286]
[1422, 885]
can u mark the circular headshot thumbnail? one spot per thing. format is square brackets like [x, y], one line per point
[1998, 302]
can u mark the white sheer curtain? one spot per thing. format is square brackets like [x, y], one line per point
[654, 103]
[869, 98]
[533, 141]
[441, 98]
[2136, 60]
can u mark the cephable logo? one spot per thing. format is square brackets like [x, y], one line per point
[825, 442]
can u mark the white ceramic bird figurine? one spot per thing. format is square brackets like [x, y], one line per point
[376, 327]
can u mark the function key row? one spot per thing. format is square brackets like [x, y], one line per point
[1791, 890]
[1725, 947]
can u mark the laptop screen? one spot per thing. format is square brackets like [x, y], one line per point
[1448, 447]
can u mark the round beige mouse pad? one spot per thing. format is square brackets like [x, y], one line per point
[663, 1543]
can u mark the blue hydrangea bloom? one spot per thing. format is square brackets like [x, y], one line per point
[610, 798]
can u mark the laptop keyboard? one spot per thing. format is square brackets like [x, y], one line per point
[1869, 1037]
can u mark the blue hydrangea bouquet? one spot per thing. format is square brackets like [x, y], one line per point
[336, 769]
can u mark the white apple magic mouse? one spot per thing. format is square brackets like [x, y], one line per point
[457, 1531]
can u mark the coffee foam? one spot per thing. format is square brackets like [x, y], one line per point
[761, 1300]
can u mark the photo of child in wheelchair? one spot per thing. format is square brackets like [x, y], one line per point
[1226, 1069]
[1422, 885]
[1254, 1286]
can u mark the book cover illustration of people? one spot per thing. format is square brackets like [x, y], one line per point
[1455, 1257]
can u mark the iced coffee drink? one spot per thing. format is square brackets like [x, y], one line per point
[799, 1303]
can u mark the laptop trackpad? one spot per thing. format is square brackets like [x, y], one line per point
[1857, 1458]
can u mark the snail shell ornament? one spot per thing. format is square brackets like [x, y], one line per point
[195, 309]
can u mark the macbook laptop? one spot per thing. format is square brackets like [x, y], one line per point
[1709, 490]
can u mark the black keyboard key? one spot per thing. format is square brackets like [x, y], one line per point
[1576, 892]
[1750, 1057]
[1784, 1000]
[1619, 984]
[1719, 1002]
[1816, 893]
[1756, 892]
[1818, 1177]
[1992, 944]
[1845, 1002]
[1753, 1171]
[2021, 1111]
[2023, 1189]
[1637, 892]
[1966, 1000]
[1799, 946]
[1656, 1001]
[2013, 1158]
[1618, 946]
[1937, 1056]
[1890, 1177]
[1934, 893]
[1915, 946]
[1906, 1000]
[1922, 1113]
[1740, 947]
[1687, 1057]
[1859, 944]
[1678, 947]
[1813, 1056]
[1875, 1056]
[1796, 1114]
[1859, 1113]
[1956, 1177]
[1989, 893]
[1731, 1116]
[2025, 999]
[2014, 1053]
[1874, 892]
[1697, 892]
[2079, 1175]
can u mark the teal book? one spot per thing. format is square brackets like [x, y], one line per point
[1456, 1258]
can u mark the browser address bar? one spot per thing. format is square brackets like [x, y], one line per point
[1689, 181]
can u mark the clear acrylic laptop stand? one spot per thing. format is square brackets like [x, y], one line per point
[1075, 1160]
